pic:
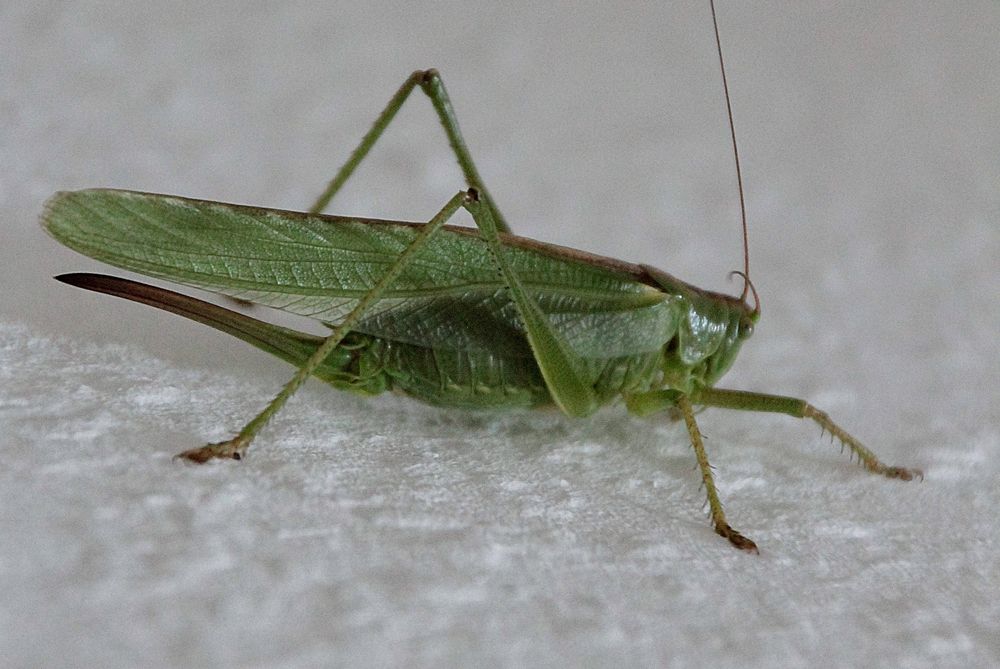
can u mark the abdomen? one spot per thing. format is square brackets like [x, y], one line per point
[485, 380]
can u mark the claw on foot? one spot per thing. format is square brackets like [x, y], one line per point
[224, 450]
[737, 539]
[901, 473]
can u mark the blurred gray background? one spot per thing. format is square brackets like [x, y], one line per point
[387, 533]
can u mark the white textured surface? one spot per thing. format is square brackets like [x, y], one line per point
[386, 533]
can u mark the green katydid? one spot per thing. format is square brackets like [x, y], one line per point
[457, 317]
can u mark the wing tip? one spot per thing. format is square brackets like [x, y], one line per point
[49, 208]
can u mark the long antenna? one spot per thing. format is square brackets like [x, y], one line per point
[747, 284]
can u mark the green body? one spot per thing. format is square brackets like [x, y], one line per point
[446, 331]
[459, 317]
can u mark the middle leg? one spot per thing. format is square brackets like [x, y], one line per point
[722, 527]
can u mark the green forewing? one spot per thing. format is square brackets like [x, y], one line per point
[451, 296]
